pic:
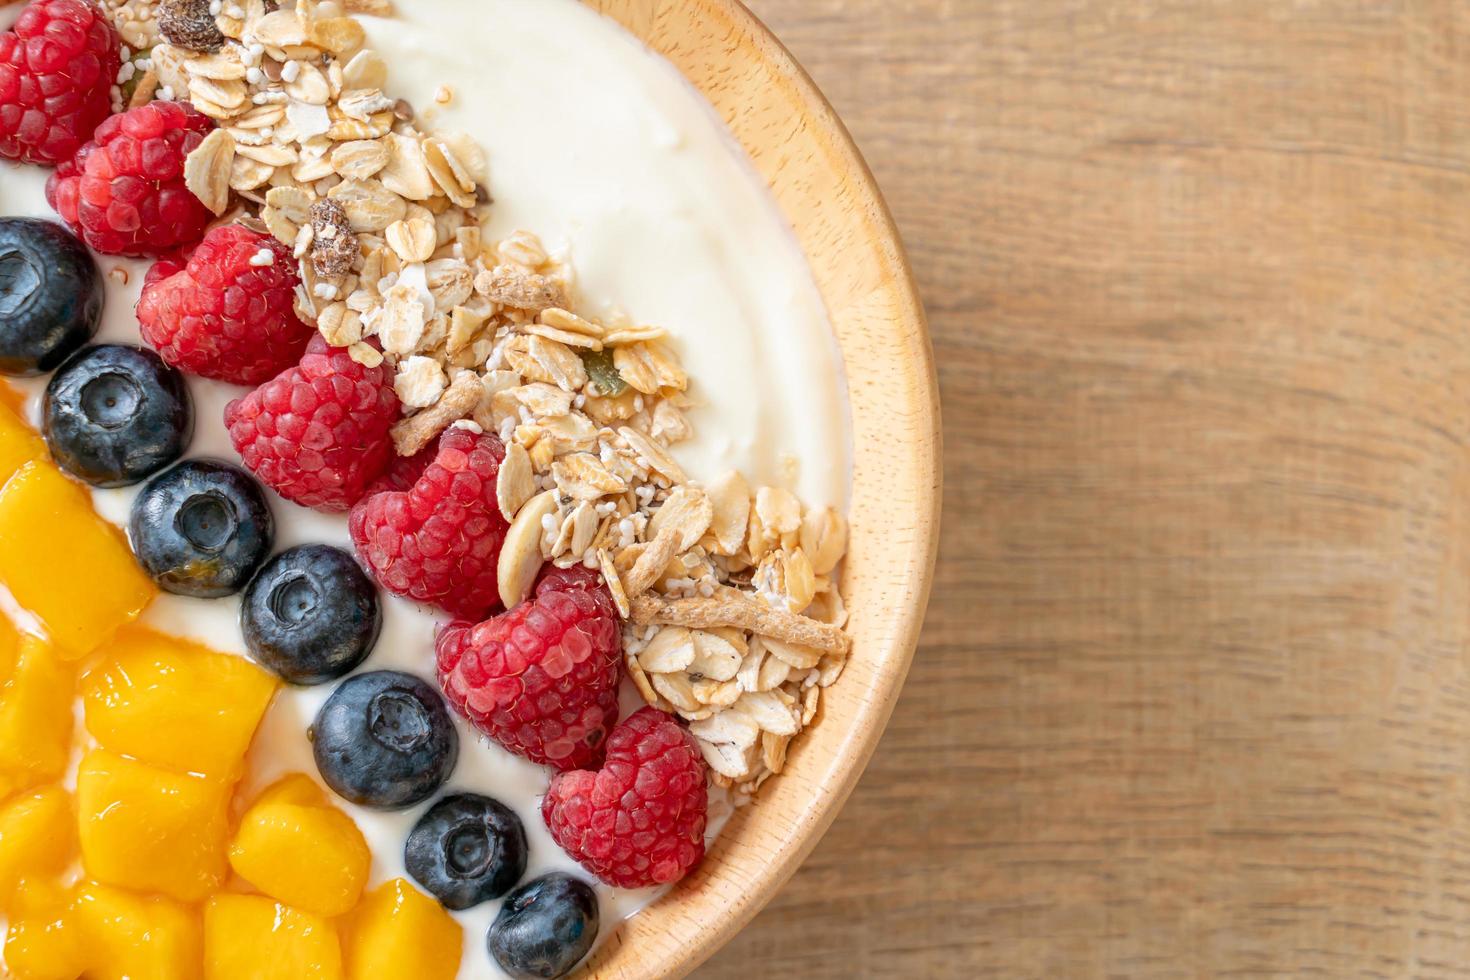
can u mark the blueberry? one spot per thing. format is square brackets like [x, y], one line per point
[201, 528]
[115, 414]
[50, 295]
[466, 850]
[545, 927]
[311, 614]
[384, 740]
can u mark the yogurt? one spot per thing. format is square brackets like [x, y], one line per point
[601, 148]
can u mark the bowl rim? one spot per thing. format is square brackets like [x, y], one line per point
[829, 196]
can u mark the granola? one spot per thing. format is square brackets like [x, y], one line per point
[733, 617]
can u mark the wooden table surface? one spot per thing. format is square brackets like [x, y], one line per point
[1192, 698]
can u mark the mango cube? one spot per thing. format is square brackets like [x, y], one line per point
[399, 931]
[247, 937]
[151, 829]
[128, 935]
[38, 834]
[35, 718]
[43, 941]
[310, 857]
[171, 703]
[63, 563]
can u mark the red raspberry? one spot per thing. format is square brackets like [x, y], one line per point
[640, 820]
[124, 192]
[438, 540]
[317, 433]
[57, 68]
[542, 679]
[225, 316]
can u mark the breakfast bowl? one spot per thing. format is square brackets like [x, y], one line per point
[467, 497]
[826, 192]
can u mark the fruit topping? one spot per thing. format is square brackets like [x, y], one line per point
[149, 829]
[466, 849]
[542, 679]
[249, 937]
[317, 433]
[384, 740]
[310, 856]
[35, 717]
[124, 192]
[311, 615]
[228, 313]
[88, 585]
[19, 444]
[398, 931]
[545, 928]
[174, 704]
[126, 935]
[57, 67]
[50, 296]
[38, 836]
[439, 541]
[44, 941]
[640, 820]
[201, 528]
[115, 414]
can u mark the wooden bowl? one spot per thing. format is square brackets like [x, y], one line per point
[828, 195]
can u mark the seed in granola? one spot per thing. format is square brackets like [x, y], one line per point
[189, 24]
[604, 377]
[334, 247]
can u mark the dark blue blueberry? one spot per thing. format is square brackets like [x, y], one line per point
[545, 927]
[201, 528]
[384, 740]
[50, 295]
[115, 414]
[466, 850]
[311, 615]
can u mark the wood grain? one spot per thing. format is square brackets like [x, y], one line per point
[1192, 697]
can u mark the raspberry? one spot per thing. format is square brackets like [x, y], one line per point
[542, 679]
[57, 69]
[124, 192]
[317, 433]
[640, 820]
[438, 540]
[226, 316]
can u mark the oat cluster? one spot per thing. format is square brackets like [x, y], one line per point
[733, 620]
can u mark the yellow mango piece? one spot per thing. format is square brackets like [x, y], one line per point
[150, 829]
[311, 857]
[398, 932]
[19, 443]
[38, 834]
[171, 703]
[247, 937]
[128, 936]
[35, 718]
[297, 788]
[71, 569]
[43, 941]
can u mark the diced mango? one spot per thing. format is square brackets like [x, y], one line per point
[151, 829]
[134, 936]
[19, 443]
[43, 941]
[247, 937]
[171, 703]
[310, 857]
[297, 788]
[35, 719]
[398, 933]
[38, 834]
[63, 563]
